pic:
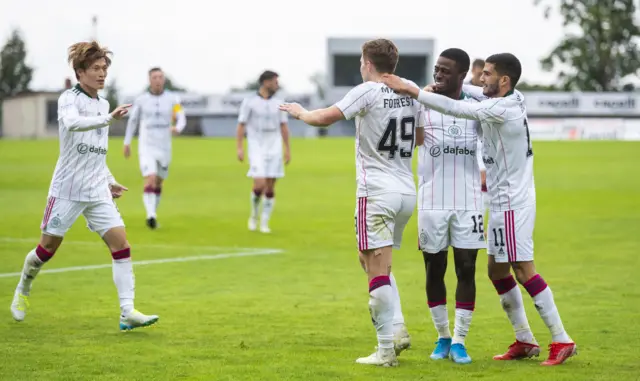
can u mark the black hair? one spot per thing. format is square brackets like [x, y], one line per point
[267, 75]
[507, 64]
[154, 69]
[459, 56]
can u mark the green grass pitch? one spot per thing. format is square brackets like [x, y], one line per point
[302, 314]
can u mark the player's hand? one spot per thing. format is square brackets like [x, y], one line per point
[117, 190]
[127, 151]
[483, 179]
[240, 154]
[120, 111]
[287, 157]
[174, 130]
[429, 88]
[396, 83]
[294, 109]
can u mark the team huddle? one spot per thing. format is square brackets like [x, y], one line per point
[445, 121]
[474, 152]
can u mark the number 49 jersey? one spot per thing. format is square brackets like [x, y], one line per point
[386, 125]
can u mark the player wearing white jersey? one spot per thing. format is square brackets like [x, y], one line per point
[508, 155]
[267, 131]
[160, 115]
[83, 185]
[388, 127]
[450, 207]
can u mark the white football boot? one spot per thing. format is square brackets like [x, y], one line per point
[385, 357]
[401, 340]
[19, 305]
[135, 319]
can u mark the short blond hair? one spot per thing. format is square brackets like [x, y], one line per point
[84, 54]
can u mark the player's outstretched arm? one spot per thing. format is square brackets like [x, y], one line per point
[475, 92]
[69, 116]
[132, 124]
[181, 118]
[318, 118]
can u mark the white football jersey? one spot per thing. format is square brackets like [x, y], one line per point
[507, 150]
[263, 118]
[156, 114]
[81, 173]
[386, 125]
[448, 171]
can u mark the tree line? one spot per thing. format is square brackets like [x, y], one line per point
[599, 52]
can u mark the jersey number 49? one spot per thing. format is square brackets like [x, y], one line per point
[388, 142]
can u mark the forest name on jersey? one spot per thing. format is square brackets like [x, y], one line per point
[396, 102]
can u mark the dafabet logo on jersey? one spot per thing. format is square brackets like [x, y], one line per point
[436, 151]
[85, 148]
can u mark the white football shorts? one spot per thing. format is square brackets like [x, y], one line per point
[510, 235]
[380, 220]
[154, 162]
[60, 215]
[439, 229]
[266, 167]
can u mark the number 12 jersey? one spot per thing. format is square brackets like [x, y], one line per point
[386, 125]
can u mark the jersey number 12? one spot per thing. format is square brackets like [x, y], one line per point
[388, 141]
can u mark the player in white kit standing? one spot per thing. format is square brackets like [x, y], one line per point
[83, 185]
[157, 110]
[388, 128]
[450, 211]
[267, 131]
[508, 155]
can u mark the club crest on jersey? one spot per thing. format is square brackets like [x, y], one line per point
[454, 131]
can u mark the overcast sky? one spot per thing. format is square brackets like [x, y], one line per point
[209, 48]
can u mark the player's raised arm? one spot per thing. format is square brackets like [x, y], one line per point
[422, 122]
[488, 110]
[474, 92]
[181, 118]
[70, 118]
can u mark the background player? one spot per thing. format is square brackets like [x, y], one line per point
[155, 110]
[267, 130]
[388, 126]
[83, 184]
[476, 72]
[450, 207]
[509, 159]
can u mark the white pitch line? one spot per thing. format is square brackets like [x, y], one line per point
[158, 261]
[34, 241]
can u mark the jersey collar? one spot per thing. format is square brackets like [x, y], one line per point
[510, 92]
[80, 89]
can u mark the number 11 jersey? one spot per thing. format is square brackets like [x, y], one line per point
[386, 125]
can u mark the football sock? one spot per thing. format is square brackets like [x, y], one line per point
[124, 279]
[381, 309]
[267, 206]
[398, 318]
[440, 318]
[543, 299]
[149, 200]
[255, 202]
[512, 304]
[32, 265]
[464, 312]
